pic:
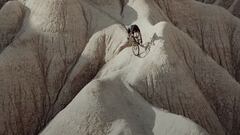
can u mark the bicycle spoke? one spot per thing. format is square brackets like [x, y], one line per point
[136, 50]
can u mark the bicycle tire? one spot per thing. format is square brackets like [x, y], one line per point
[136, 50]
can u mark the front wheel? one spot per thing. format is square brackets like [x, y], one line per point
[136, 50]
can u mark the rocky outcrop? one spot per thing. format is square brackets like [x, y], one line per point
[68, 61]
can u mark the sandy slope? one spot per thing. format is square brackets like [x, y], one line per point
[111, 107]
[66, 48]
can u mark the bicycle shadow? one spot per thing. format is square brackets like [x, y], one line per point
[145, 49]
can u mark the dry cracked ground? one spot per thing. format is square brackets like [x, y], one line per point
[66, 68]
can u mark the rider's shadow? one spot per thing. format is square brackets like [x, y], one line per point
[155, 37]
[147, 46]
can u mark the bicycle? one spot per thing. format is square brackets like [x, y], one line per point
[135, 39]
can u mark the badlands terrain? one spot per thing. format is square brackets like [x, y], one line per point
[66, 67]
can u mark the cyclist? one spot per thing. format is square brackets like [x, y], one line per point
[135, 33]
[134, 39]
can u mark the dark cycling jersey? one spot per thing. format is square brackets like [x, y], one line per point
[134, 28]
[134, 32]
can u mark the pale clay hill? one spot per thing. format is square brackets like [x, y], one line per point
[65, 68]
